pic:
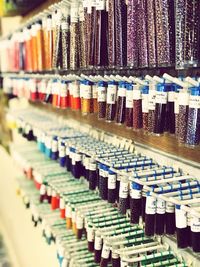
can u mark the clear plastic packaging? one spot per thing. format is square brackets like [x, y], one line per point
[193, 123]
[101, 99]
[121, 103]
[129, 106]
[137, 107]
[145, 107]
[111, 101]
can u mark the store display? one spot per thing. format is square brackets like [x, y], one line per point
[97, 198]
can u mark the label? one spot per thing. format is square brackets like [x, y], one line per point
[161, 97]
[171, 95]
[112, 179]
[74, 13]
[176, 103]
[90, 234]
[195, 224]
[136, 94]
[135, 194]
[54, 146]
[115, 255]
[160, 206]
[92, 166]
[64, 25]
[129, 99]
[87, 93]
[152, 99]
[145, 103]
[79, 222]
[85, 3]
[194, 101]
[111, 94]
[150, 205]
[123, 190]
[102, 173]
[101, 94]
[73, 216]
[121, 92]
[42, 189]
[49, 24]
[105, 251]
[63, 90]
[77, 157]
[67, 151]
[94, 91]
[100, 4]
[98, 243]
[49, 191]
[62, 203]
[62, 152]
[183, 98]
[181, 218]
[81, 13]
[48, 140]
[68, 211]
[170, 207]
[75, 90]
[49, 88]
[43, 86]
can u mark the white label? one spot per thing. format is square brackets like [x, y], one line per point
[121, 92]
[101, 94]
[170, 207]
[160, 206]
[49, 24]
[181, 218]
[183, 98]
[79, 222]
[129, 99]
[176, 103]
[62, 204]
[195, 224]
[64, 25]
[53, 193]
[74, 13]
[102, 173]
[92, 166]
[75, 90]
[150, 205]
[74, 216]
[90, 234]
[98, 243]
[77, 157]
[81, 13]
[135, 194]
[171, 95]
[115, 255]
[136, 94]
[49, 191]
[105, 251]
[87, 93]
[85, 3]
[123, 264]
[54, 146]
[43, 86]
[161, 97]
[100, 5]
[68, 211]
[42, 189]
[94, 91]
[48, 140]
[111, 94]
[62, 152]
[152, 98]
[112, 179]
[63, 90]
[67, 151]
[145, 103]
[123, 190]
[194, 101]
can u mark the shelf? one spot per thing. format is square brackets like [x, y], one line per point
[124, 71]
[166, 143]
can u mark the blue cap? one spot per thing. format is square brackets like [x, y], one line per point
[101, 84]
[161, 87]
[112, 83]
[145, 90]
[195, 91]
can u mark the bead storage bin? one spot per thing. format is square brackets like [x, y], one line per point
[133, 179]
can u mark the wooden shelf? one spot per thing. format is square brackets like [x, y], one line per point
[166, 143]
